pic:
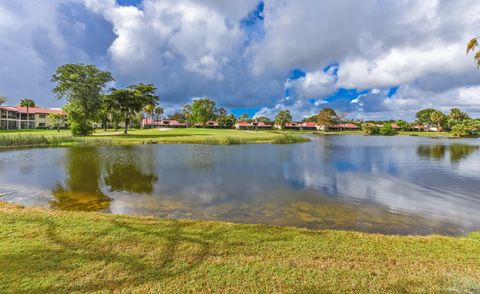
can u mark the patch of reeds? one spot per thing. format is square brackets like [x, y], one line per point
[42, 140]
[289, 139]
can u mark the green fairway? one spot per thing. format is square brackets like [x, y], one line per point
[52, 251]
[157, 136]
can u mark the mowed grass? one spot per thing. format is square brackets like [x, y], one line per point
[150, 136]
[61, 252]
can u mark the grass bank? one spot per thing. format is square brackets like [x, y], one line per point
[150, 136]
[53, 251]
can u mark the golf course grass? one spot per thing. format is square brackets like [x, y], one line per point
[48, 251]
[147, 136]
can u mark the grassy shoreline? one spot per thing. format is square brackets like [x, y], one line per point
[55, 251]
[147, 136]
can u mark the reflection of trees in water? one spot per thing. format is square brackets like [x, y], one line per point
[457, 151]
[461, 151]
[131, 171]
[82, 185]
[432, 151]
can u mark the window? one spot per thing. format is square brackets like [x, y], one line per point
[43, 116]
[41, 125]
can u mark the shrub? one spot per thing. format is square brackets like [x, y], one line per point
[387, 130]
[466, 128]
[369, 129]
[289, 139]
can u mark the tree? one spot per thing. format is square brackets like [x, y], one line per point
[187, 114]
[222, 116]
[424, 117]
[264, 119]
[25, 102]
[387, 130]
[438, 119]
[244, 117]
[472, 46]
[158, 112]
[370, 129]
[455, 116]
[178, 116]
[131, 101]
[149, 109]
[82, 86]
[203, 110]
[3, 99]
[283, 117]
[327, 117]
[57, 120]
[466, 128]
[402, 124]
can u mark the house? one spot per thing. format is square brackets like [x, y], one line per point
[17, 117]
[212, 124]
[293, 126]
[262, 125]
[243, 125]
[164, 123]
[396, 127]
[344, 127]
[419, 128]
[309, 126]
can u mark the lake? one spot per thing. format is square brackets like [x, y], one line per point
[401, 185]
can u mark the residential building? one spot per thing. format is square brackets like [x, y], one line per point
[163, 123]
[16, 117]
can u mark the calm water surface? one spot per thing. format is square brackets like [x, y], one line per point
[405, 185]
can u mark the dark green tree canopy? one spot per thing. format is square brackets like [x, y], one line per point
[283, 117]
[132, 100]
[25, 102]
[203, 110]
[327, 117]
[82, 86]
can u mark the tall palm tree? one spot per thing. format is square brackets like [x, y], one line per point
[25, 102]
[158, 111]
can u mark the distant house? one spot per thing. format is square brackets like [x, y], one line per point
[419, 128]
[212, 124]
[396, 127]
[16, 117]
[309, 126]
[261, 125]
[344, 127]
[293, 126]
[243, 125]
[164, 123]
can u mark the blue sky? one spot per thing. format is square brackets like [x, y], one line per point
[385, 59]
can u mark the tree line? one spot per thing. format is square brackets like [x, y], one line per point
[89, 100]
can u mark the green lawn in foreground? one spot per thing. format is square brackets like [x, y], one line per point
[52, 251]
[180, 135]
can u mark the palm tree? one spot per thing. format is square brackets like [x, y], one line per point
[149, 108]
[158, 111]
[25, 102]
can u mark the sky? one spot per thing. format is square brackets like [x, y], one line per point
[370, 59]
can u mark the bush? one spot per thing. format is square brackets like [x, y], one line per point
[466, 128]
[289, 139]
[387, 130]
[369, 129]
[81, 129]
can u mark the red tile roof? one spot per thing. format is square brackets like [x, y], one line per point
[165, 122]
[309, 124]
[346, 126]
[243, 123]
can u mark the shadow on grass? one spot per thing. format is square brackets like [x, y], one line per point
[134, 269]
